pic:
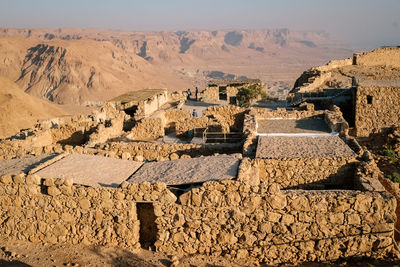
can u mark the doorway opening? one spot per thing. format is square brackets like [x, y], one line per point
[148, 226]
[222, 93]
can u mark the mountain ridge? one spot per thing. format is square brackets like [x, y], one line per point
[100, 64]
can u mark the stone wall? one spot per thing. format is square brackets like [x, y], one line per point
[161, 152]
[316, 84]
[147, 129]
[210, 94]
[376, 107]
[333, 118]
[175, 115]
[59, 212]
[284, 114]
[182, 127]
[308, 173]
[263, 223]
[228, 116]
[379, 57]
[132, 150]
[109, 129]
[334, 64]
[249, 223]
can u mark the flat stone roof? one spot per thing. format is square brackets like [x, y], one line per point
[136, 96]
[188, 171]
[91, 170]
[292, 126]
[277, 147]
[17, 166]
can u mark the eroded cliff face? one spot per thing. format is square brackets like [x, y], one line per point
[80, 66]
[46, 66]
[81, 72]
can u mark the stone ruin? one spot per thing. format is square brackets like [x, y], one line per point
[225, 91]
[262, 199]
[368, 104]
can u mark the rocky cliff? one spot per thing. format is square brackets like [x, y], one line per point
[85, 65]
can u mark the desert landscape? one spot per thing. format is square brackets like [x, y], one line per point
[171, 134]
[142, 181]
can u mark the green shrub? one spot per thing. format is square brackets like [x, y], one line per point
[394, 177]
[246, 94]
[389, 153]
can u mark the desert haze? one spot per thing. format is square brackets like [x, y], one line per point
[82, 66]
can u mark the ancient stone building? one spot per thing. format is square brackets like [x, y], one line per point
[316, 198]
[368, 94]
[225, 91]
[141, 103]
[377, 106]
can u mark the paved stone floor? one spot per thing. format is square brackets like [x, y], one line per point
[315, 126]
[16, 166]
[186, 171]
[277, 147]
[91, 170]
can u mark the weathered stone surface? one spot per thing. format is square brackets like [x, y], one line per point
[91, 170]
[53, 191]
[6, 179]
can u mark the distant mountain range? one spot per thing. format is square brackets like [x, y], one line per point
[79, 66]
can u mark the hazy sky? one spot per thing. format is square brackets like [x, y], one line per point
[360, 22]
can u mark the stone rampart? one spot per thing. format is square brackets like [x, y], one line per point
[334, 64]
[379, 57]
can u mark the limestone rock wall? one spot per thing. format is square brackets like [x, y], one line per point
[263, 223]
[210, 94]
[161, 152]
[335, 121]
[108, 130]
[182, 127]
[383, 110]
[175, 115]
[134, 150]
[227, 116]
[379, 57]
[148, 129]
[307, 173]
[334, 64]
[284, 114]
[60, 212]
[250, 223]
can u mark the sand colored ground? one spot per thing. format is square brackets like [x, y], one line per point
[186, 171]
[91, 170]
[23, 254]
[20, 110]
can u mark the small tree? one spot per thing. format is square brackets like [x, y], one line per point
[246, 94]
